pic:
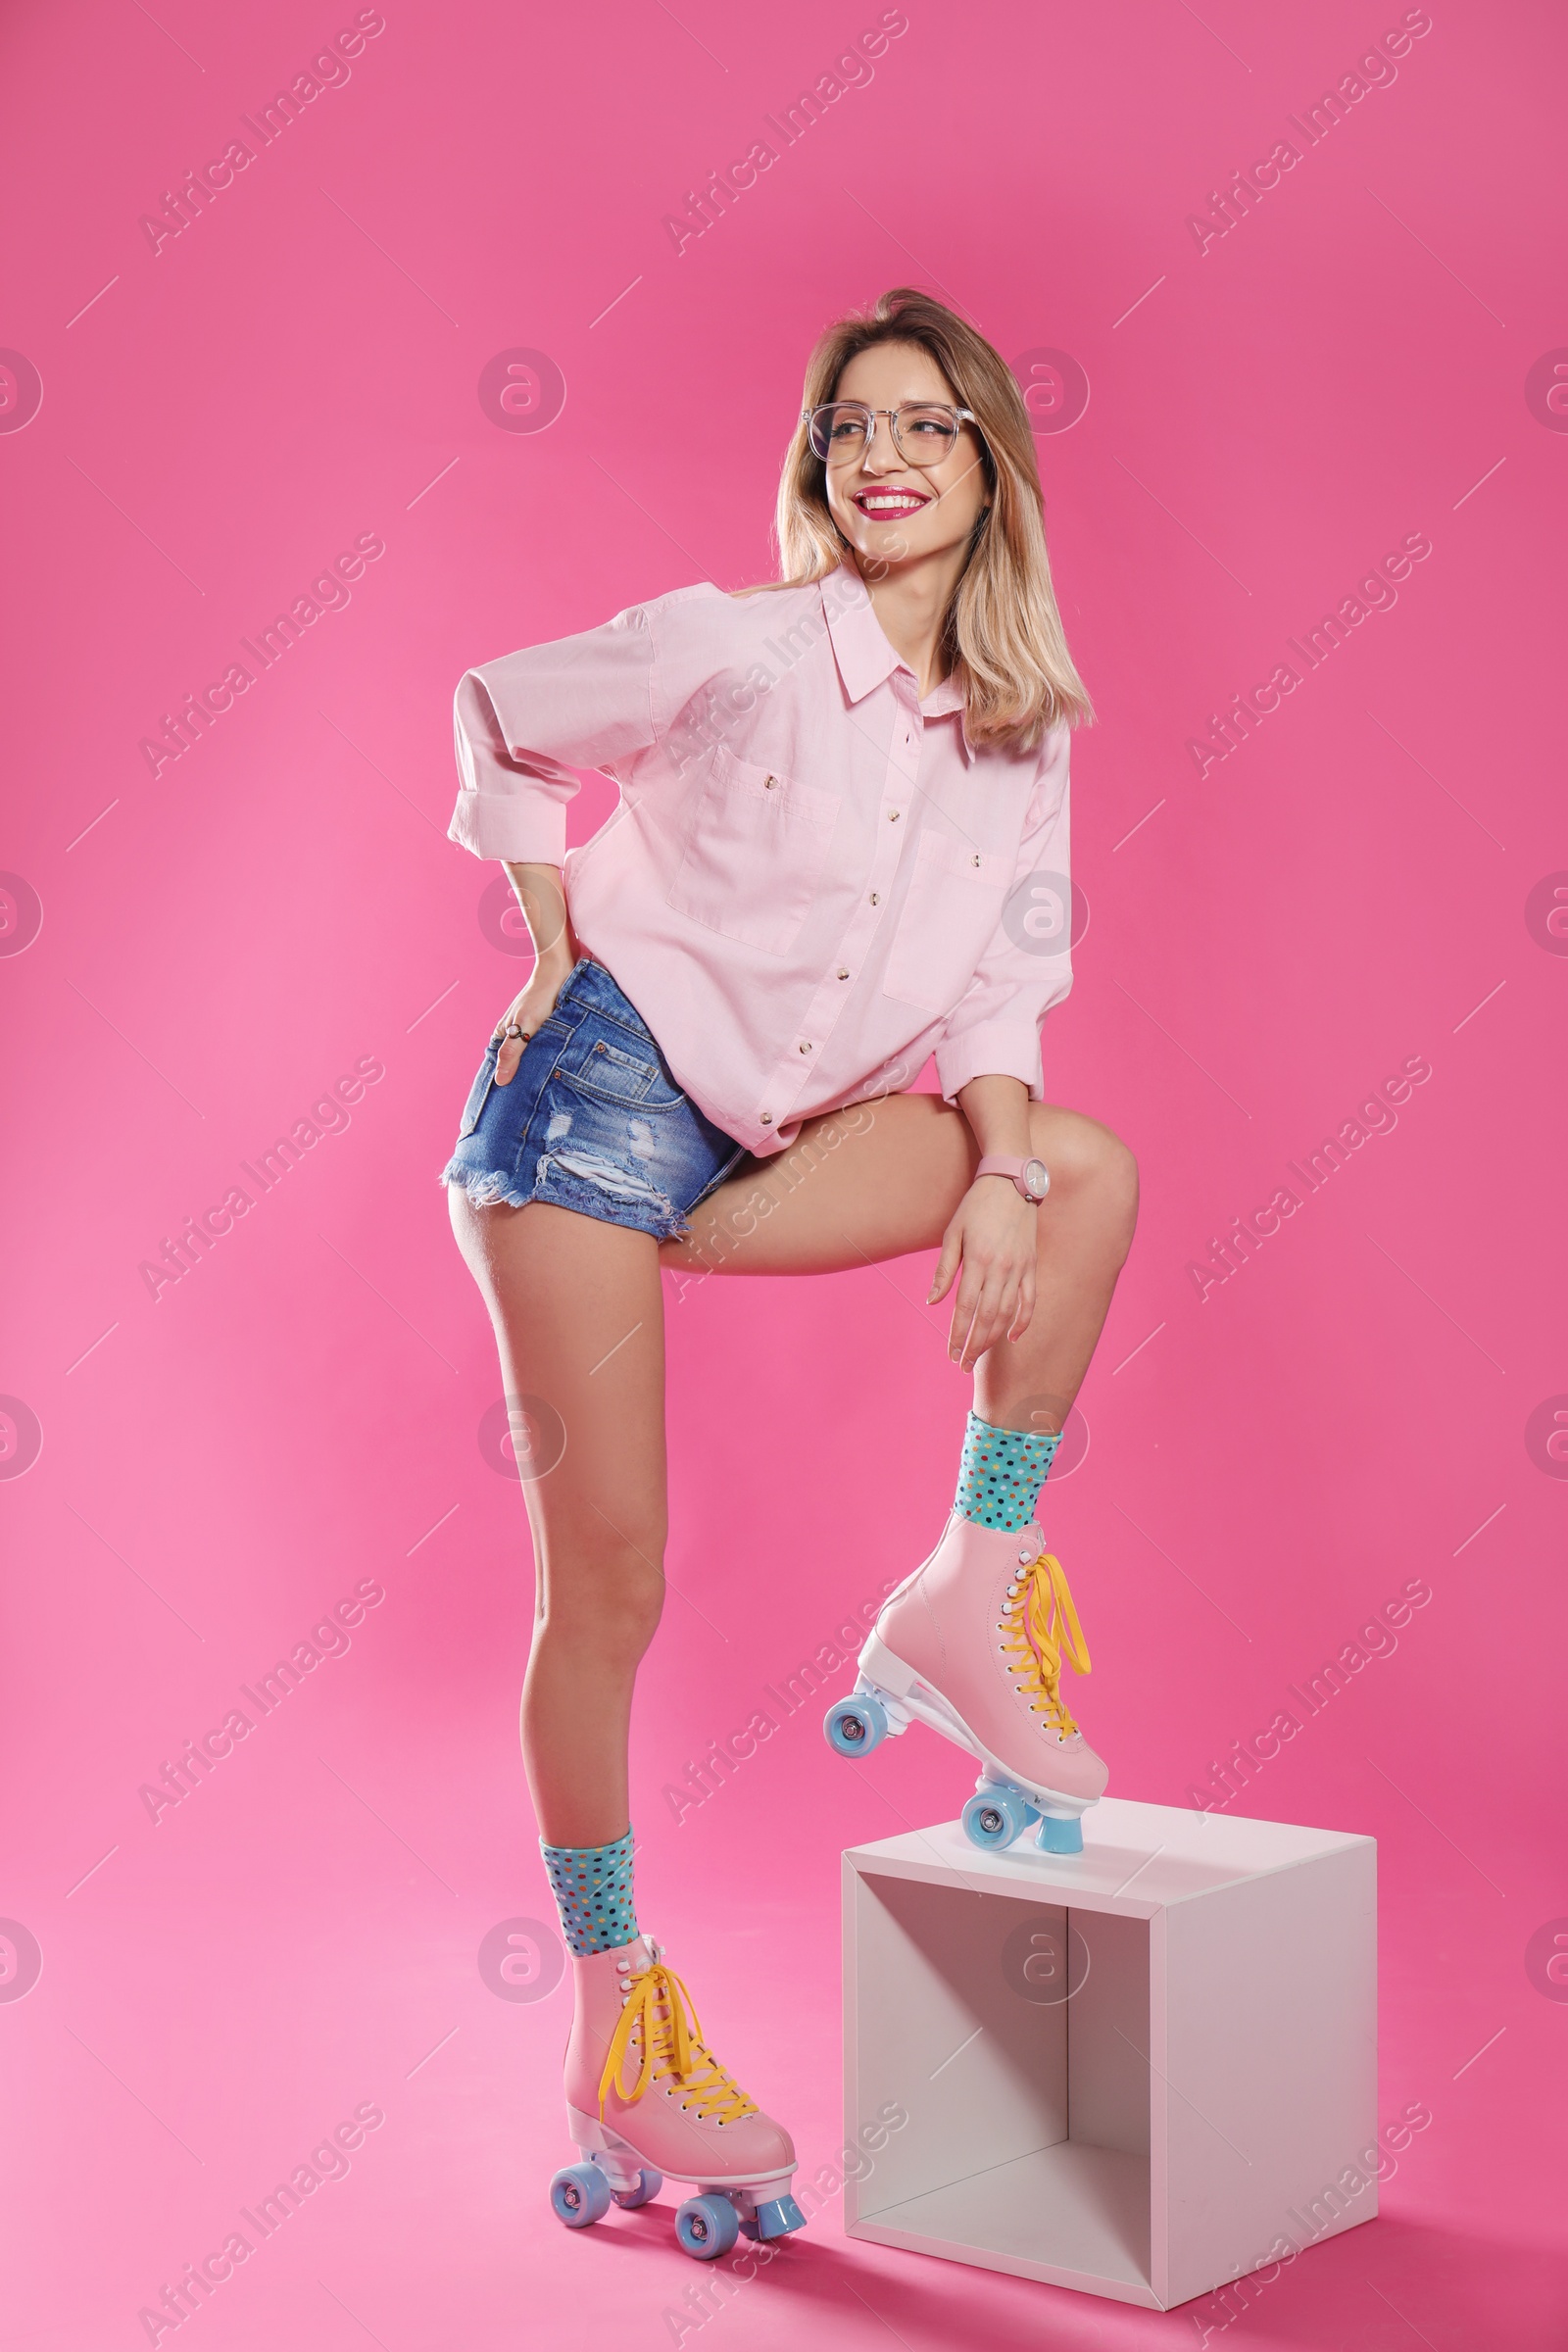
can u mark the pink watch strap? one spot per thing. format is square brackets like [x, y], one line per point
[997, 1163]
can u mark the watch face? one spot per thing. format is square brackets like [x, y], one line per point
[1036, 1176]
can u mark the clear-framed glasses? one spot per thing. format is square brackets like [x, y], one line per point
[924, 432]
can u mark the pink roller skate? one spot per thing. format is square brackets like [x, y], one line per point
[646, 2098]
[972, 1644]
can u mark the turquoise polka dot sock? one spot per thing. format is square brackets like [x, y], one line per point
[1001, 1472]
[592, 1887]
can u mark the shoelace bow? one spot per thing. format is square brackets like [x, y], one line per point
[1042, 1628]
[671, 2047]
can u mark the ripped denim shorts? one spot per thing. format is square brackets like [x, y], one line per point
[592, 1120]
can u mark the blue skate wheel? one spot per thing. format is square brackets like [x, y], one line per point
[856, 1725]
[994, 1817]
[1059, 1836]
[649, 2184]
[580, 2195]
[776, 2219]
[707, 2227]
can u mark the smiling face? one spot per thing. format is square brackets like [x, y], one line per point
[894, 511]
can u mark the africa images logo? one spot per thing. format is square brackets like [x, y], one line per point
[21, 391]
[521, 390]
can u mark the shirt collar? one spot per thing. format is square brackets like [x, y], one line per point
[863, 655]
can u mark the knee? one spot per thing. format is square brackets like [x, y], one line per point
[1117, 1181]
[1088, 1164]
[608, 1588]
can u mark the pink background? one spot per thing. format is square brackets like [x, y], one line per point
[1267, 1466]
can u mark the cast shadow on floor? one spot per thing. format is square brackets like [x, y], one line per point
[1363, 2291]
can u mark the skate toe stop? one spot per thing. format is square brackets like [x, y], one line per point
[1057, 1836]
[776, 2219]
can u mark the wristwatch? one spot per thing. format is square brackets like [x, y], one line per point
[1031, 1176]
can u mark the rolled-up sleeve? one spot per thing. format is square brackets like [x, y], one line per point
[523, 723]
[994, 1027]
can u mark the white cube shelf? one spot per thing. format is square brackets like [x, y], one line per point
[1130, 2071]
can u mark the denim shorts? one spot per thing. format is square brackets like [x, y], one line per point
[592, 1120]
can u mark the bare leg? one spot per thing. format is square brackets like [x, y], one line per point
[578, 1316]
[883, 1179]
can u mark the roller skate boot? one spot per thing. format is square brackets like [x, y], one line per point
[974, 1643]
[646, 2098]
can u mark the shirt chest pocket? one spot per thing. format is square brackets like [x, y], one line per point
[954, 898]
[755, 851]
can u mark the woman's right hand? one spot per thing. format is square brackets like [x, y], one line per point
[527, 1012]
[543, 908]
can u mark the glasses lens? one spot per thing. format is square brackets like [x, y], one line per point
[840, 431]
[925, 436]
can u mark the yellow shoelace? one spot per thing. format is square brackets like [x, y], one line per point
[1042, 1628]
[671, 2047]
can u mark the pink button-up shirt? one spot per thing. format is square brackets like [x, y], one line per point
[814, 878]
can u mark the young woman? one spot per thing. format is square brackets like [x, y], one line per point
[840, 846]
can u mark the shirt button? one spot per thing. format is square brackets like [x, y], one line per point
[844, 975]
[893, 816]
[769, 783]
[768, 1119]
[875, 899]
[975, 859]
[805, 1047]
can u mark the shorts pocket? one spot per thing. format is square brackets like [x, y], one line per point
[755, 852]
[617, 1066]
[954, 898]
[533, 1066]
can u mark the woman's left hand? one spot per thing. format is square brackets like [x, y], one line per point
[992, 1238]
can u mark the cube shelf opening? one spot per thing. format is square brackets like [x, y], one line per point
[1122, 2071]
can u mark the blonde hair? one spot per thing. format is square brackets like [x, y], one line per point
[1002, 633]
